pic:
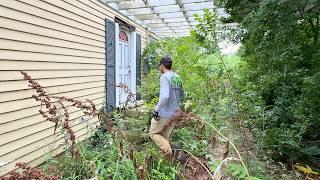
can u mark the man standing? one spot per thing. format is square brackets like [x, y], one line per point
[171, 91]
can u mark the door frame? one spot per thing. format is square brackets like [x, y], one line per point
[132, 55]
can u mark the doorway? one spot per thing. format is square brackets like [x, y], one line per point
[125, 63]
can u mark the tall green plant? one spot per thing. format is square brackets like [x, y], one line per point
[281, 52]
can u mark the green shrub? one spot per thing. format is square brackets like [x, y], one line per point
[280, 74]
[150, 86]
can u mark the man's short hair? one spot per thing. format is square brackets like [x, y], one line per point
[166, 61]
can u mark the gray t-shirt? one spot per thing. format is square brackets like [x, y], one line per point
[171, 91]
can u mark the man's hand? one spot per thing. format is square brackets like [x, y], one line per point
[155, 115]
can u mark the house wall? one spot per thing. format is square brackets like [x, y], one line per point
[61, 44]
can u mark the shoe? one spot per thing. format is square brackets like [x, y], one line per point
[167, 155]
[179, 154]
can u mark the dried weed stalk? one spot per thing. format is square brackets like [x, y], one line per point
[182, 118]
[126, 89]
[53, 106]
[29, 172]
[55, 111]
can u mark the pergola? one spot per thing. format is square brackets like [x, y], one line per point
[166, 18]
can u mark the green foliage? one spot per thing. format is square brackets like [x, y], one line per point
[104, 154]
[205, 80]
[205, 32]
[273, 87]
[150, 87]
[208, 92]
[190, 140]
[158, 169]
[237, 171]
[114, 156]
[201, 75]
[279, 78]
[185, 54]
[155, 50]
[238, 9]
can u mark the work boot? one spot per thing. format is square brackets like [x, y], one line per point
[175, 146]
[179, 154]
[167, 155]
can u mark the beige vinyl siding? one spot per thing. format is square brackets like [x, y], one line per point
[61, 44]
[16, 95]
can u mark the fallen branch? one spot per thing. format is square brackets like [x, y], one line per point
[182, 117]
[195, 158]
[234, 147]
[217, 172]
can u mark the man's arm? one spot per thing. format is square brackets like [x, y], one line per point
[164, 93]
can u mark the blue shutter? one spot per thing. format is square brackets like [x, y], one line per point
[138, 64]
[110, 75]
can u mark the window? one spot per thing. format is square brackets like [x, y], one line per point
[123, 36]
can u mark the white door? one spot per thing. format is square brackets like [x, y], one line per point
[123, 67]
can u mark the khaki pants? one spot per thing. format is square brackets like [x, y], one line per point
[160, 132]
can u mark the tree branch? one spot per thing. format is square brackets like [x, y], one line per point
[195, 158]
[317, 31]
[312, 25]
[314, 30]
